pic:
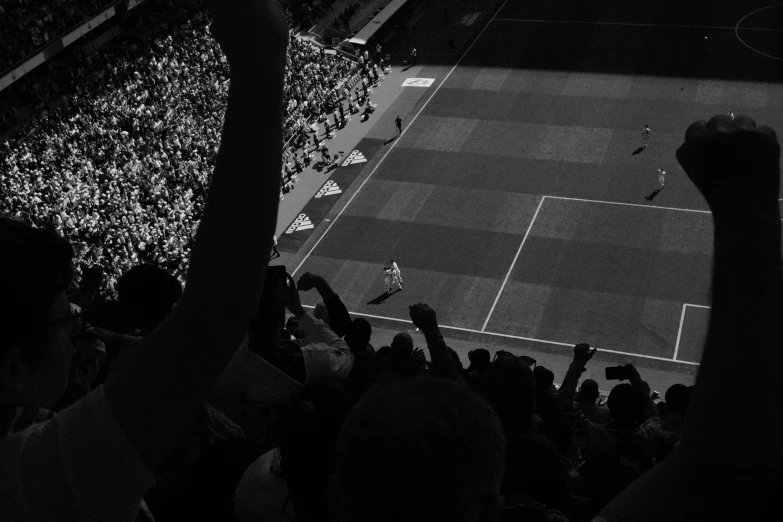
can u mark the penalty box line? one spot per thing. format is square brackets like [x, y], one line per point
[520, 338]
[530, 227]
[682, 321]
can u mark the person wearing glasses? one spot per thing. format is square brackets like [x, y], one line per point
[95, 459]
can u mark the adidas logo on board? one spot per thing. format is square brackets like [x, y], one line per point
[330, 188]
[302, 222]
[354, 157]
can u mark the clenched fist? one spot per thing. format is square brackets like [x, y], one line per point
[250, 31]
[734, 163]
[423, 317]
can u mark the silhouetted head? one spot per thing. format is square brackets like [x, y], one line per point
[36, 349]
[403, 344]
[416, 450]
[588, 392]
[358, 336]
[479, 359]
[677, 398]
[626, 404]
[510, 389]
[146, 294]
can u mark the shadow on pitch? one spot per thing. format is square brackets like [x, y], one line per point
[393, 138]
[652, 195]
[637, 151]
[383, 297]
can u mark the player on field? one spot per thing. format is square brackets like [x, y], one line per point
[396, 276]
[387, 279]
[661, 178]
[646, 134]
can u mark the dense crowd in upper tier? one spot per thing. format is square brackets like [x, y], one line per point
[122, 172]
[26, 25]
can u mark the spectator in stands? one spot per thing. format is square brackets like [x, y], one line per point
[677, 398]
[479, 364]
[618, 453]
[587, 397]
[96, 458]
[146, 294]
[305, 458]
[386, 471]
[268, 372]
[553, 424]
[534, 469]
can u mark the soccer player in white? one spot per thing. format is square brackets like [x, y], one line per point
[646, 134]
[396, 276]
[387, 279]
[661, 178]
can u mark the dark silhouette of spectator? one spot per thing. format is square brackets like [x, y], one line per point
[677, 398]
[553, 424]
[619, 452]
[438, 471]
[587, 397]
[479, 364]
[534, 469]
[97, 457]
[146, 294]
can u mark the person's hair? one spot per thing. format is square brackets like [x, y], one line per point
[361, 331]
[588, 392]
[291, 324]
[150, 290]
[92, 276]
[677, 398]
[625, 403]
[479, 359]
[509, 387]
[545, 378]
[403, 344]
[35, 265]
[408, 435]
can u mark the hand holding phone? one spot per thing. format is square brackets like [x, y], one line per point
[617, 373]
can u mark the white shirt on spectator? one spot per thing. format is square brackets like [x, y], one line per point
[248, 376]
[77, 466]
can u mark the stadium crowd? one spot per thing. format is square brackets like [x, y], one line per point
[123, 173]
[204, 402]
[26, 25]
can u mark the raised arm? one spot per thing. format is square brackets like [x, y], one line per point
[157, 394]
[729, 459]
[423, 317]
[339, 317]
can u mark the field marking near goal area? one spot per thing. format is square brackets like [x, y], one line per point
[682, 321]
[520, 338]
[530, 227]
[424, 105]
